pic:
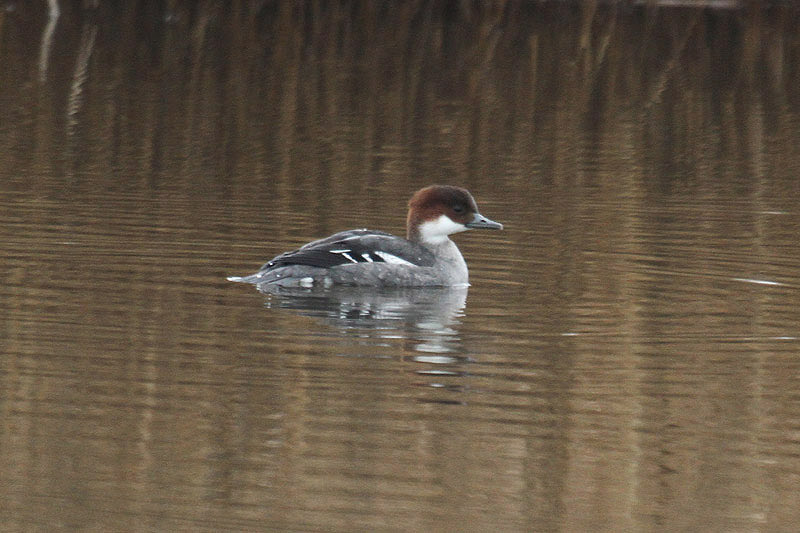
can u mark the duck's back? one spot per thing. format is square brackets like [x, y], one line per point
[354, 257]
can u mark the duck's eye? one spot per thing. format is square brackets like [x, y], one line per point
[458, 209]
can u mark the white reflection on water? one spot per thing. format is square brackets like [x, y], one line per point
[760, 282]
[429, 317]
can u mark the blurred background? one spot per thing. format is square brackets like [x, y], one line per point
[627, 357]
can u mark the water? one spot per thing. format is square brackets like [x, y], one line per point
[626, 358]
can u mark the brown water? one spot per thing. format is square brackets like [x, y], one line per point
[627, 358]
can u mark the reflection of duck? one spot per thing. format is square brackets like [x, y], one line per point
[427, 258]
[425, 316]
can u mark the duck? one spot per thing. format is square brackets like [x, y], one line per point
[426, 257]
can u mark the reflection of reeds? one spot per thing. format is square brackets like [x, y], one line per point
[451, 90]
[47, 37]
[76, 92]
[410, 93]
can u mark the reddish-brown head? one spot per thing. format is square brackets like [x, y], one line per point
[439, 210]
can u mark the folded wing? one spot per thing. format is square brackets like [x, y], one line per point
[353, 247]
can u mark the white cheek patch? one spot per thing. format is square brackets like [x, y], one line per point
[392, 259]
[436, 231]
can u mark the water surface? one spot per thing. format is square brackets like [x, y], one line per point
[627, 356]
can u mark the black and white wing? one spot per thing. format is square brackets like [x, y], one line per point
[355, 246]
